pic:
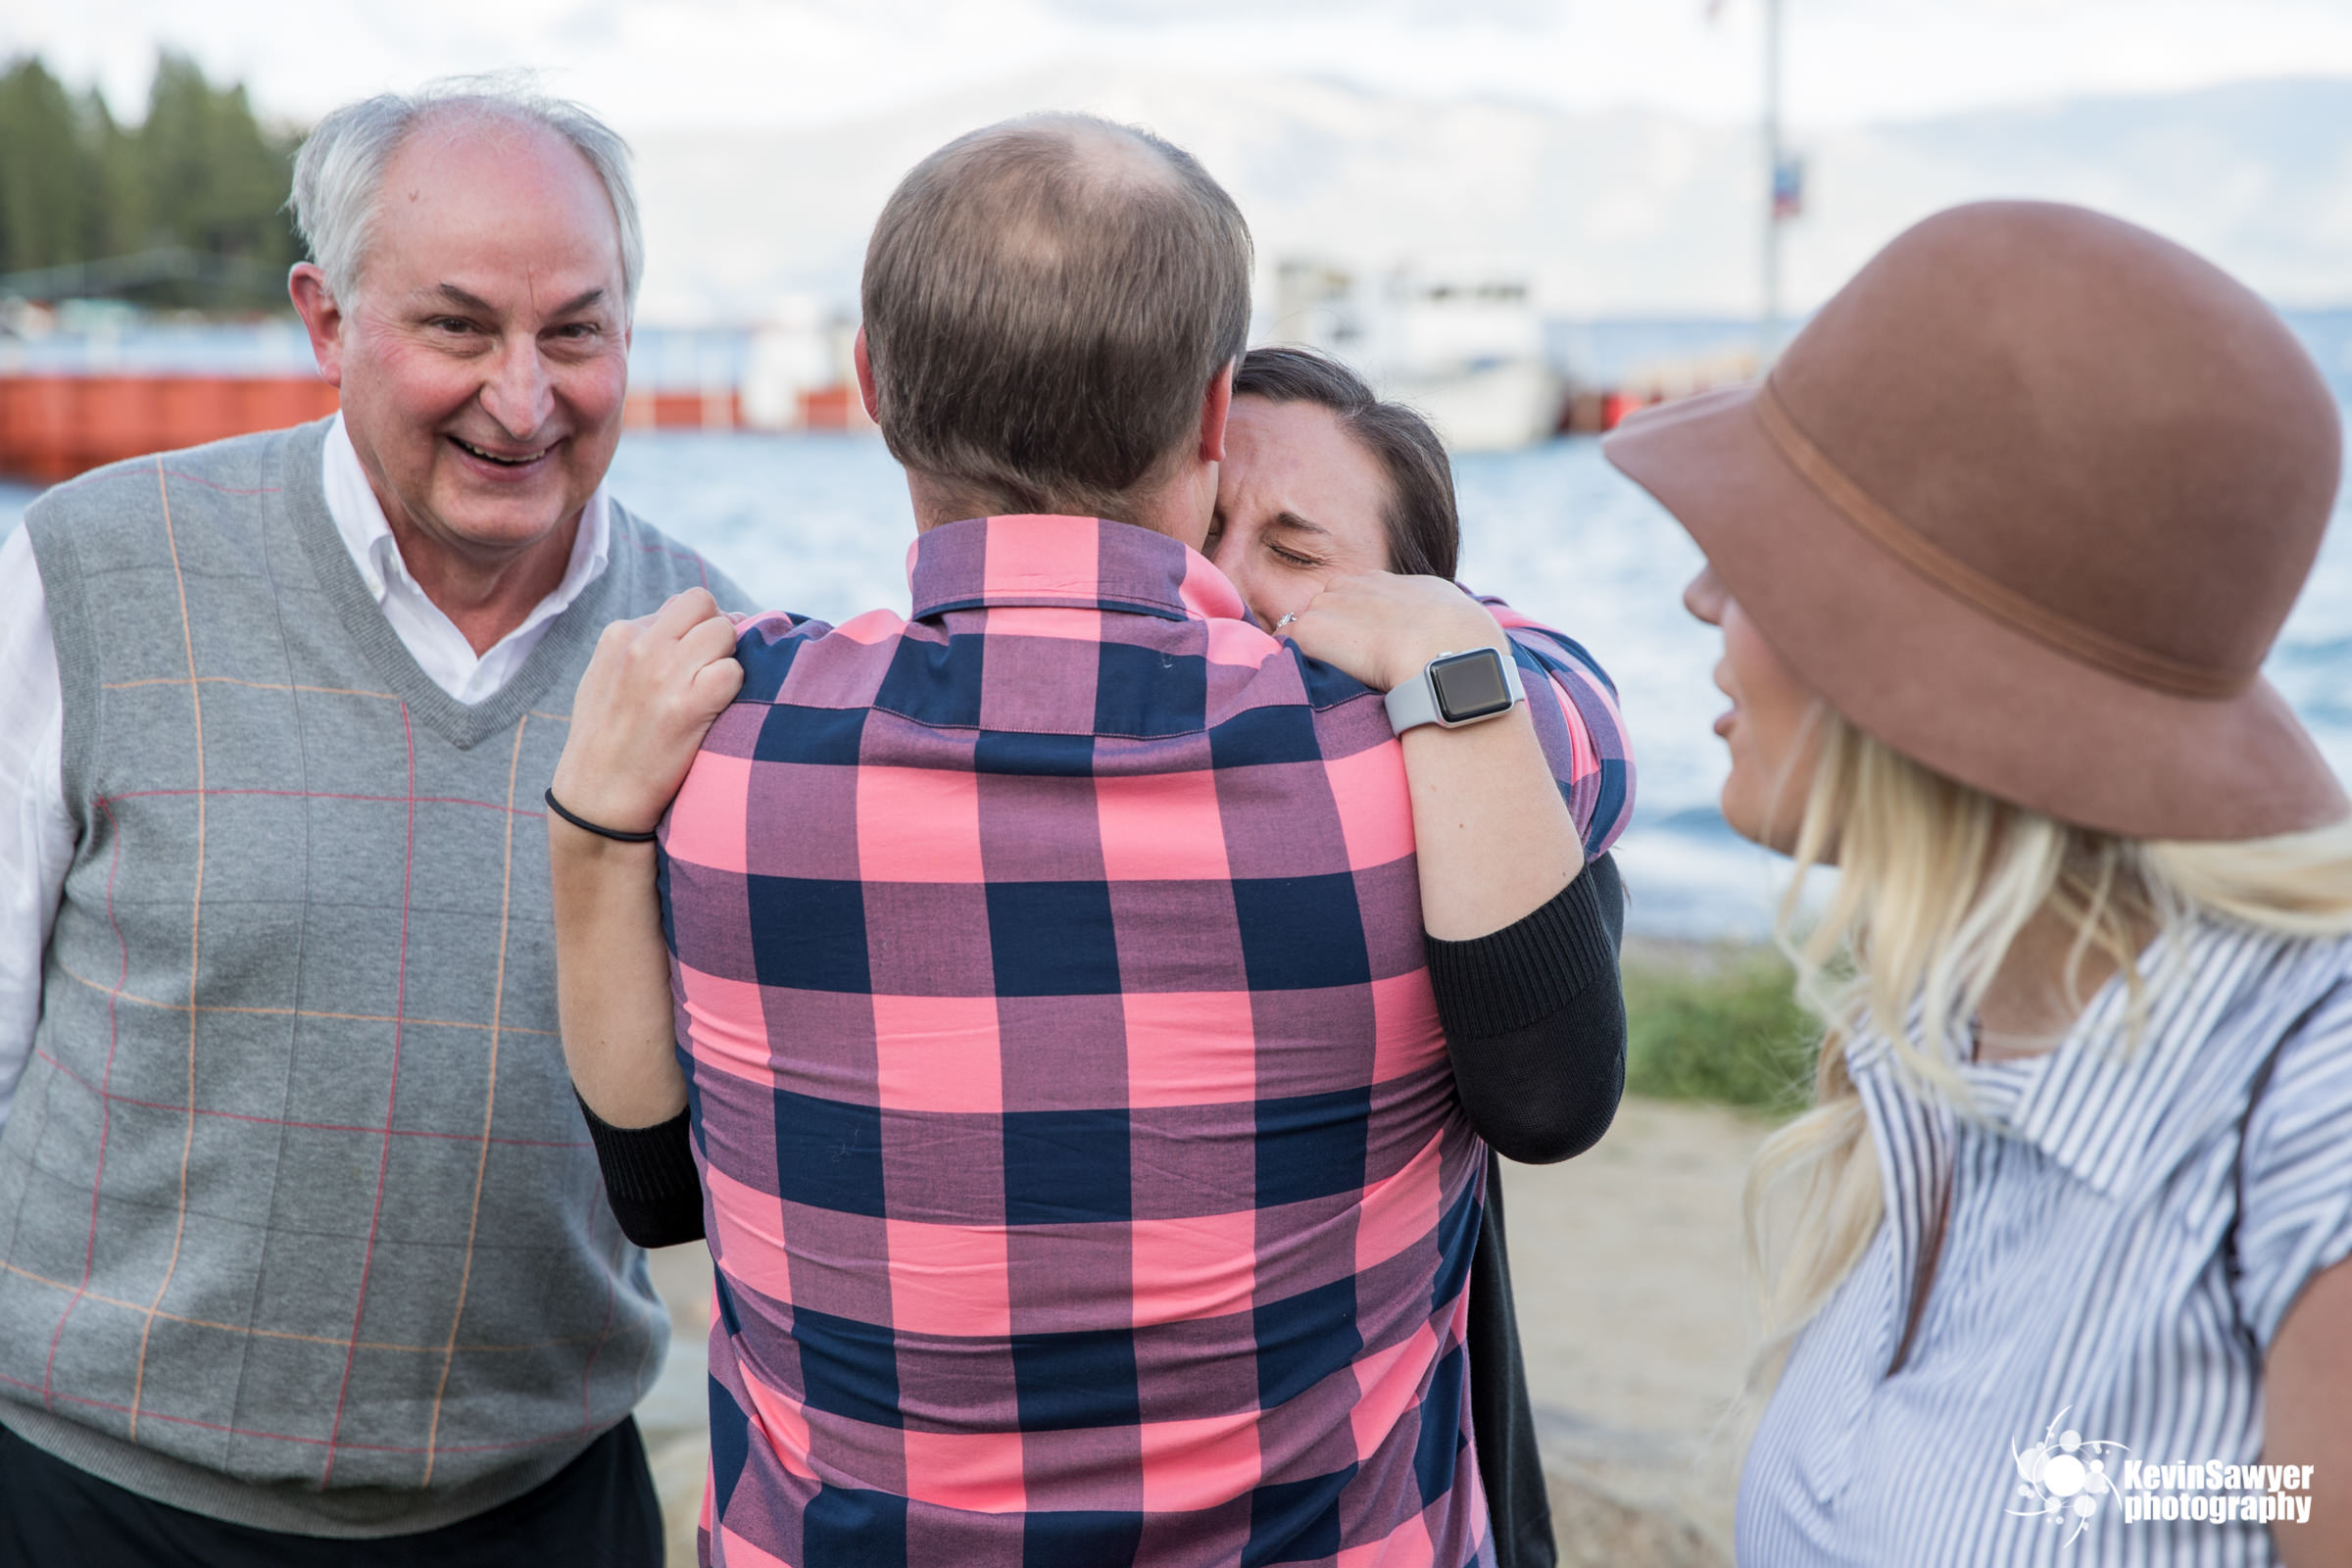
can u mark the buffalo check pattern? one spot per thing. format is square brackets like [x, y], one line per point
[1082, 1163]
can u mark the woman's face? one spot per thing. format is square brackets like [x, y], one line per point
[1772, 726]
[1299, 503]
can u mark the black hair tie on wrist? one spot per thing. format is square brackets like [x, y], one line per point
[602, 832]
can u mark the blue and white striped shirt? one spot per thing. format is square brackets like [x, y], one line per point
[2098, 1279]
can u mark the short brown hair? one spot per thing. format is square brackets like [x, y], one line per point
[1424, 525]
[1045, 301]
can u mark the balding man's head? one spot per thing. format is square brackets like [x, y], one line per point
[1046, 302]
[339, 172]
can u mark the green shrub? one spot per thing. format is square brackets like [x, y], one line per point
[1721, 1026]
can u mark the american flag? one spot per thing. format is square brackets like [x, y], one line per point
[1788, 189]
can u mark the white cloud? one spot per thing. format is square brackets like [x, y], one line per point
[1523, 13]
[1602, 214]
[654, 64]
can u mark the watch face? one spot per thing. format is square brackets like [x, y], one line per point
[1469, 685]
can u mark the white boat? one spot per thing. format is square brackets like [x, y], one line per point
[1488, 408]
[1461, 343]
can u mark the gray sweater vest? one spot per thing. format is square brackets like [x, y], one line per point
[299, 1222]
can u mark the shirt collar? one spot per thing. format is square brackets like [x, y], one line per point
[2097, 1104]
[359, 517]
[1064, 562]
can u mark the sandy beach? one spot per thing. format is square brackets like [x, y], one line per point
[1633, 1309]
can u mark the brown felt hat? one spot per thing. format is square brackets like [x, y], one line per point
[2028, 502]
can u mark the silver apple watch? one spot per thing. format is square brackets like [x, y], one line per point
[1456, 689]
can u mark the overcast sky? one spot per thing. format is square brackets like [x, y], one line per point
[656, 64]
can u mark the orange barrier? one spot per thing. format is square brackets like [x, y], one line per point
[1594, 410]
[834, 407]
[55, 427]
[719, 408]
[1615, 405]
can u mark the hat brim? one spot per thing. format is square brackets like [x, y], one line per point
[1947, 685]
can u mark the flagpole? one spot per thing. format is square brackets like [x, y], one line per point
[1774, 158]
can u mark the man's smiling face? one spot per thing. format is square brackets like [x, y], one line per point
[484, 361]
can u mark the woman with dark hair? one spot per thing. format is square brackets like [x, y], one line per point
[1336, 520]
[1308, 398]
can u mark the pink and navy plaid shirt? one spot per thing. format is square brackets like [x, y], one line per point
[1082, 1163]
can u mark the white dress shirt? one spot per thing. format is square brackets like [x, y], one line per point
[37, 835]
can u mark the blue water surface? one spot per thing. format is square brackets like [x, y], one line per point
[820, 524]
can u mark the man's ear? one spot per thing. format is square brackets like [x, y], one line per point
[321, 318]
[866, 378]
[1216, 404]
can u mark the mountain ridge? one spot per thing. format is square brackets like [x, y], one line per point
[1604, 212]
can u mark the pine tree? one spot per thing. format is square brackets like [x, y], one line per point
[119, 184]
[213, 180]
[200, 172]
[47, 184]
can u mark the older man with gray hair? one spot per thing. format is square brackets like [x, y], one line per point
[304, 1258]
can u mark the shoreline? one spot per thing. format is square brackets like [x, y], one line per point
[1694, 955]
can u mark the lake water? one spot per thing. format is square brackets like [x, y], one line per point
[820, 524]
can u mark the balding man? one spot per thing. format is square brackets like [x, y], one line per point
[304, 1258]
[1081, 1157]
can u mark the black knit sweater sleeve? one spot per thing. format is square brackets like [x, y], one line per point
[1535, 1021]
[649, 1177]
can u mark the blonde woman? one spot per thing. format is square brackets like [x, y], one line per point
[1997, 550]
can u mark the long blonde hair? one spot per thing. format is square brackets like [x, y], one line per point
[1934, 882]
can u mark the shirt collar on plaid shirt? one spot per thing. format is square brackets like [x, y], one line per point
[1064, 562]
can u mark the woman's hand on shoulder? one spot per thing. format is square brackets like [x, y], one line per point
[650, 695]
[1380, 627]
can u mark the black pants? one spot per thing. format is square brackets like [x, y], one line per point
[597, 1512]
[1501, 1414]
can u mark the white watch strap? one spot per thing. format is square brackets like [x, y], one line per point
[1415, 703]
